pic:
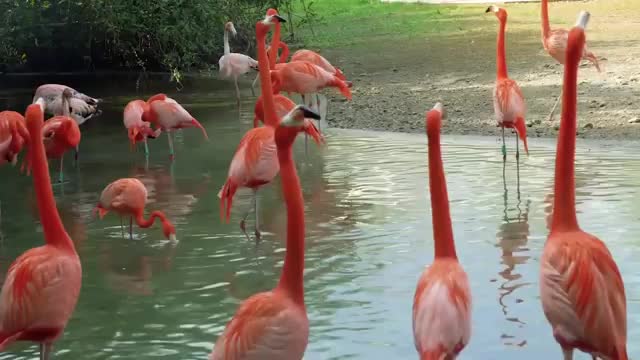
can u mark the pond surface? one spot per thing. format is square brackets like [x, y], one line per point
[368, 234]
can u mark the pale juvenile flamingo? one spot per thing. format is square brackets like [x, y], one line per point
[274, 324]
[13, 136]
[581, 288]
[255, 162]
[128, 197]
[508, 102]
[442, 303]
[42, 285]
[554, 42]
[233, 65]
[168, 115]
[138, 129]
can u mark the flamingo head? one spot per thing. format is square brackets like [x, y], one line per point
[263, 27]
[168, 230]
[583, 19]
[272, 12]
[434, 120]
[293, 123]
[228, 27]
[500, 13]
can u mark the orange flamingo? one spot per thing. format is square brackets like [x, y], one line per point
[274, 324]
[303, 77]
[581, 288]
[255, 162]
[442, 303]
[13, 136]
[128, 197]
[43, 284]
[138, 129]
[167, 114]
[508, 102]
[276, 44]
[555, 44]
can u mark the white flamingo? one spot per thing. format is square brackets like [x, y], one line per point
[232, 65]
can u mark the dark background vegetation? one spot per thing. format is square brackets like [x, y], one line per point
[147, 35]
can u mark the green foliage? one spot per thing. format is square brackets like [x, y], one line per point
[169, 35]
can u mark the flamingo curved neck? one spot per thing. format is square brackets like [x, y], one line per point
[285, 53]
[442, 229]
[292, 278]
[501, 59]
[227, 48]
[564, 206]
[270, 116]
[544, 19]
[145, 223]
[275, 44]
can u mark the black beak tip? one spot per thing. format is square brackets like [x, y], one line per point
[280, 18]
[488, 9]
[308, 113]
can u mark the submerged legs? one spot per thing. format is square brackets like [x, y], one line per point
[171, 153]
[61, 175]
[553, 110]
[517, 164]
[45, 351]
[76, 155]
[130, 227]
[146, 147]
[255, 209]
[504, 147]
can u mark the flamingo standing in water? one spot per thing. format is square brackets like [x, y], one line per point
[13, 136]
[508, 102]
[167, 114]
[138, 129]
[442, 303]
[255, 162]
[555, 44]
[581, 288]
[42, 285]
[128, 197]
[276, 44]
[274, 324]
[233, 65]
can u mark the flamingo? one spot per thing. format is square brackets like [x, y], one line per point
[442, 303]
[128, 197]
[554, 43]
[255, 163]
[581, 288]
[13, 136]
[276, 44]
[232, 65]
[167, 114]
[42, 285]
[274, 324]
[137, 129]
[508, 102]
[303, 77]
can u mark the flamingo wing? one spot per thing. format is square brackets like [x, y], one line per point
[236, 64]
[255, 160]
[583, 296]
[265, 327]
[508, 101]
[314, 58]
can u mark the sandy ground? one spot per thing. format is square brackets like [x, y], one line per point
[396, 81]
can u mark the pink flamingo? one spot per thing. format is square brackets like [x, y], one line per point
[508, 101]
[42, 285]
[581, 288]
[442, 303]
[13, 136]
[554, 43]
[274, 324]
[276, 44]
[128, 197]
[233, 65]
[167, 114]
[138, 129]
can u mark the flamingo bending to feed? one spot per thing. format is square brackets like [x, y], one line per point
[167, 114]
[554, 42]
[255, 161]
[138, 129]
[442, 303]
[42, 285]
[13, 136]
[128, 197]
[508, 102]
[274, 324]
[232, 65]
[581, 288]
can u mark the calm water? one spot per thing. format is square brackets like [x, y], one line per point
[368, 235]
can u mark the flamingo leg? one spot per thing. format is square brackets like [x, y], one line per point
[61, 175]
[568, 354]
[253, 85]
[45, 351]
[235, 81]
[306, 137]
[171, 153]
[130, 227]
[146, 147]
[553, 110]
[255, 209]
[76, 155]
[246, 215]
[121, 227]
[517, 164]
[504, 147]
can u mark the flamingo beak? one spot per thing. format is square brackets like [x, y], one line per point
[172, 238]
[195, 123]
[311, 129]
[280, 18]
[308, 113]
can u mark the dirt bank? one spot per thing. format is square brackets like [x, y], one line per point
[396, 81]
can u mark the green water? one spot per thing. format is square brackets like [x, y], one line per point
[368, 234]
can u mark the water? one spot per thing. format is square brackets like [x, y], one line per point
[368, 235]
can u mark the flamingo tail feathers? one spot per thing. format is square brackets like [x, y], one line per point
[342, 86]
[226, 199]
[521, 128]
[340, 75]
[433, 355]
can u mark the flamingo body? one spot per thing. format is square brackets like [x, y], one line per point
[81, 106]
[138, 129]
[303, 77]
[318, 60]
[169, 115]
[510, 108]
[13, 136]
[233, 65]
[60, 133]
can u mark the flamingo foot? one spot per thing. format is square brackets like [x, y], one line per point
[258, 235]
[244, 229]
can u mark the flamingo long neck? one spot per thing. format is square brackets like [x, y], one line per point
[54, 232]
[65, 106]
[145, 223]
[275, 43]
[544, 19]
[270, 116]
[564, 206]
[292, 276]
[285, 53]
[442, 229]
[501, 59]
[227, 48]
